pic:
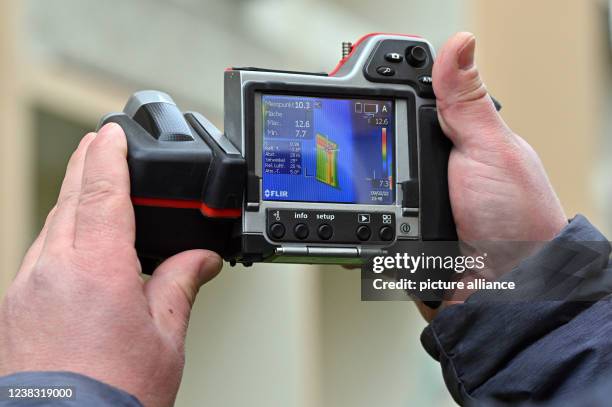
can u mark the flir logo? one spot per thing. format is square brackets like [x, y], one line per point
[275, 194]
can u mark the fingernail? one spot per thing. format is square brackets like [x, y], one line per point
[108, 129]
[211, 266]
[466, 54]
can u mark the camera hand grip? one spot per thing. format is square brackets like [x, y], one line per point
[437, 222]
[176, 173]
[437, 217]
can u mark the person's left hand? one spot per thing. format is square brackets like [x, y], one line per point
[79, 303]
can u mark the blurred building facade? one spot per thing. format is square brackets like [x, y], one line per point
[290, 335]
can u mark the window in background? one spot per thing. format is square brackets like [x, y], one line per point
[55, 138]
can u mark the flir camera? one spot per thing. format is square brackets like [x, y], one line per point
[310, 168]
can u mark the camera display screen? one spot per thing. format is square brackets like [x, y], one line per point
[333, 150]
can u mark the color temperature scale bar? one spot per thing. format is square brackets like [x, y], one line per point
[386, 158]
[384, 149]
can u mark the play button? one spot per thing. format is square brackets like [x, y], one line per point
[363, 218]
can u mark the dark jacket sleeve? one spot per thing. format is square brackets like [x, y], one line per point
[85, 391]
[501, 353]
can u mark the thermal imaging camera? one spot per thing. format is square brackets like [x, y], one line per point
[310, 168]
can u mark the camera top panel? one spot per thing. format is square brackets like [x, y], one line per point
[402, 62]
[375, 60]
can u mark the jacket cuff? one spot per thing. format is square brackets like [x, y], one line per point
[474, 340]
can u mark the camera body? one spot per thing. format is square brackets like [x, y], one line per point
[311, 167]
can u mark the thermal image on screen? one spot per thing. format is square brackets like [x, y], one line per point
[327, 150]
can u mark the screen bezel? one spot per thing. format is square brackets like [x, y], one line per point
[252, 140]
[259, 127]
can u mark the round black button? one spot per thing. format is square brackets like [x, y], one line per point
[277, 230]
[385, 71]
[416, 56]
[363, 233]
[325, 231]
[386, 233]
[301, 231]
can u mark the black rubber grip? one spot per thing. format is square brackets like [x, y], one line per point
[167, 187]
[437, 221]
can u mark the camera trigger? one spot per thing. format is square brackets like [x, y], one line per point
[157, 113]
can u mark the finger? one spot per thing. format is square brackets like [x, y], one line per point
[172, 289]
[467, 113]
[60, 226]
[427, 313]
[104, 215]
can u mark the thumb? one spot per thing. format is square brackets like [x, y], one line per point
[172, 289]
[467, 113]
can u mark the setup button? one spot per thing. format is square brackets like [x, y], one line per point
[277, 230]
[325, 231]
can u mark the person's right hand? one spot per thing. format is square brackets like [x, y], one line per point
[498, 188]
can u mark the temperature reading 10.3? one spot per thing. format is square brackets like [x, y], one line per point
[286, 124]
